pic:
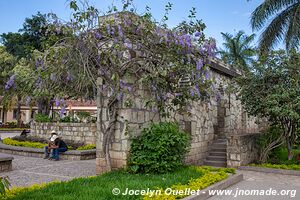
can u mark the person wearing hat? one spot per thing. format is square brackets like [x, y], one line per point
[48, 148]
[58, 147]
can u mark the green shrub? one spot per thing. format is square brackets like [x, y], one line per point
[42, 118]
[4, 185]
[66, 119]
[87, 147]
[12, 142]
[41, 143]
[160, 148]
[269, 141]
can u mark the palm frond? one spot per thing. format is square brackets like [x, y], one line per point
[292, 36]
[274, 32]
[268, 8]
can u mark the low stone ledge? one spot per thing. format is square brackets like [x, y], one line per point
[39, 153]
[5, 163]
[204, 194]
[271, 170]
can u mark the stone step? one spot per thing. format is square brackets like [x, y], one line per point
[217, 158]
[218, 149]
[219, 145]
[221, 141]
[215, 163]
[216, 153]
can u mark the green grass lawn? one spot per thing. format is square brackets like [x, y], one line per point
[100, 187]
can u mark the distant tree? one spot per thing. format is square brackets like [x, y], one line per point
[279, 20]
[29, 38]
[36, 35]
[272, 91]
[237, 50]
[7, 63]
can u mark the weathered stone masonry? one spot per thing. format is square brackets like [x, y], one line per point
[210, 120]
[78, 132]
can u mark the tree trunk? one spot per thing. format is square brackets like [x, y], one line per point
[3, 114]
[18, 117]
[43, 106]
[289, 148]
[290, 136]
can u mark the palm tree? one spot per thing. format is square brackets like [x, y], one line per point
[281, 19]
[238, 50]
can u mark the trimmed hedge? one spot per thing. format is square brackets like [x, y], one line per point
[87, 147]
[12, 142]
[278, 166]
[40, 145]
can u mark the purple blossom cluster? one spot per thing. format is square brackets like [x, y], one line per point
[128, 44]
[97, 35]
[38, 82]
[52, 77]
[209, 47]
[62, 111]
[11, 82]
[198, 34]
[199, 64]
[39, 63]
[125, 85]
[28, 100]
[69, 76]
[57, 102]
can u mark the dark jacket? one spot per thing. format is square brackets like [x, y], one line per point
[60, 143]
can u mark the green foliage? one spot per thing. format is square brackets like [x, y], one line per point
[238, 50]
[66, 119]
[12, 142]
[277, 21]
[7, 62]
[87, 147]
[272, 134]
[272, 91]
[41, 143]
[210, 176]
[83, 115]
[279, 156]
[278, 166]
[42, 118]
[161, 148]
[14, 191]
[101, 186]
[4, 185]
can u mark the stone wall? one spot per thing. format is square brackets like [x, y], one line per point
[78, 132]
[241, 150]
[214, 118]
[5, 164]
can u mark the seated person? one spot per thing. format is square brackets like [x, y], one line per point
[50, 146]
[59, 146]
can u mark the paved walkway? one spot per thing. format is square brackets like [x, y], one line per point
[28, 170]
[264, 181]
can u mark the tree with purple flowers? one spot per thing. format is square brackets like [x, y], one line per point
[25, 79]
[113, 56]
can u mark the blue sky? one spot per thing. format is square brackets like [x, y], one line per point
[218, 15]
